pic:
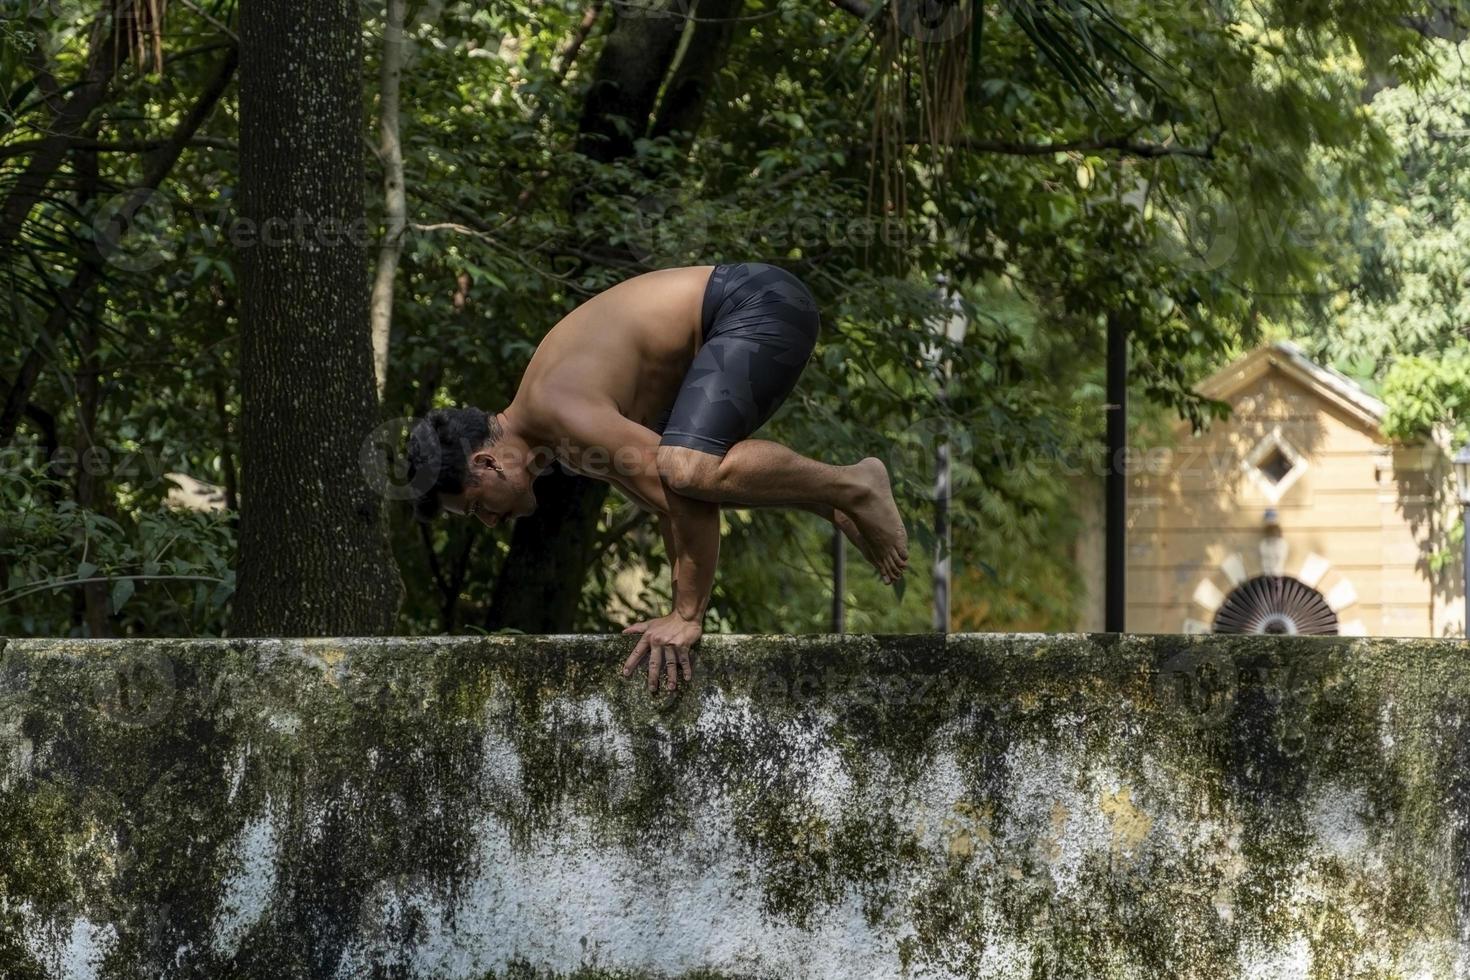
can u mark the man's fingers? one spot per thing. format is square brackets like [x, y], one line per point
[686, 661]
[655, 667]
[635, 628]
[672, 656]
[639, 652]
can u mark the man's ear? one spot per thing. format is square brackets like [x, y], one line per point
[484, 459]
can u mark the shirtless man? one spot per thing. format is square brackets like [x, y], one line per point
[655, 386]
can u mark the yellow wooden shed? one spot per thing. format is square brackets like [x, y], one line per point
[1293, 515]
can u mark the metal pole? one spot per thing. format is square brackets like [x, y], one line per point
[952, 329]
[839, 582]
[1115, 546]
[941, 538]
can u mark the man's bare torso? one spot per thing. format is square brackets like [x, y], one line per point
[629, 345]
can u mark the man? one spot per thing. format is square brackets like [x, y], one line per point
[655, 386]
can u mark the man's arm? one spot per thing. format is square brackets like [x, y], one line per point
[611, 447]
[694, 526]
[693, 540]
[666, 531]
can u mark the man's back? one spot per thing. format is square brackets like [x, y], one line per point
[631, 344]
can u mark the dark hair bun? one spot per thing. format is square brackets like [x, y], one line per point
[439, 447]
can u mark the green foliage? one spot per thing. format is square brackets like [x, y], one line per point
[1404, 288]
[1395, 310]
[1424, 393]
[167, 572]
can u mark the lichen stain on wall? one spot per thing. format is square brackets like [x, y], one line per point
[249, 885]
[1130, 825]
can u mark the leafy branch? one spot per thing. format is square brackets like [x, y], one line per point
[1125, 145]
[13, 595]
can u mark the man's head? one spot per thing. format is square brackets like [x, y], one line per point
[476, 471]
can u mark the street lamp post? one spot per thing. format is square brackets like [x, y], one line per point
[1115, 487]
[953, 330]
[1462, 482]
[839, 582]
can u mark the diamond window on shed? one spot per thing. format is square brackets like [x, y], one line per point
[1275, 466]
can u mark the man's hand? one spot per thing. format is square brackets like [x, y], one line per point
[666, 643]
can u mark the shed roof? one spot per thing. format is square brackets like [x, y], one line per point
[1289, 359]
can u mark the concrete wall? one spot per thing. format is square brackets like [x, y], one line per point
[1048, 807]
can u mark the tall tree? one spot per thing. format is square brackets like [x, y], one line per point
[1395, 310]
[314, 556]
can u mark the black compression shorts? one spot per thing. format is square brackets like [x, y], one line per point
[760, 324]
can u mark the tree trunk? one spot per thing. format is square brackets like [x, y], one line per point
[91, 486]
[625, 83]
[540, 583]
[16, 397]
[314, 554]
[395, 199]
[681, 111]
[95, 604]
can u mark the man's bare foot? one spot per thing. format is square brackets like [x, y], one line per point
[878, 520]
[847, 526]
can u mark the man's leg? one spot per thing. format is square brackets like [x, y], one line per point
[759, 473]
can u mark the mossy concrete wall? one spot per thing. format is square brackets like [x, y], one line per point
[981, 806]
